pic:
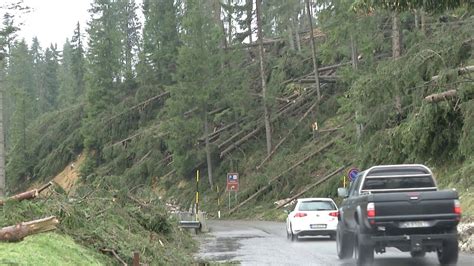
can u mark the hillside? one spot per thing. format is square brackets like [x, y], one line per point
[133, 125]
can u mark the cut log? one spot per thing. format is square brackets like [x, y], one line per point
[443, 96]
[21, 230]
[328, 176]
[27, 195]
[305, 159]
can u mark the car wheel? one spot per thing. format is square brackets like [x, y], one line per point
[448, 253]
[293, 237]
[364, 254]
[344, 243]
[332, 236]
[418, 254]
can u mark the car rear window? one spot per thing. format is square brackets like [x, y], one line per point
[398, 182]
[316, 206]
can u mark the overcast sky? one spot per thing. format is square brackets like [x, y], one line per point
[52, 21]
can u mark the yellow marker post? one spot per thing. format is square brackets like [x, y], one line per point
[197, 194]
[218, 202]
[344, 178]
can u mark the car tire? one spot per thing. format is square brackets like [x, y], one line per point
[418, 254]
[344, 243]
[332, 236]
[292, 236]
[448, 253]
[364, 253]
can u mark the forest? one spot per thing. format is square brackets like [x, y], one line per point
[284, 92]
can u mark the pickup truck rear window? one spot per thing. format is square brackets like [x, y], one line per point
[398, 182]
[316, 206]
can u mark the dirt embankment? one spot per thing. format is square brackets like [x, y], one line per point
[69, 176]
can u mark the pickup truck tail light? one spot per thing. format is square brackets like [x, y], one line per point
[371, 212]
[334, 214]
[301, 214]
[457, 207]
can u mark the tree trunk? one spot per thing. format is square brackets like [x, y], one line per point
[297, 33]
[31, 194]
[326, 177]
[355, 60]
[396, 52]
[2, 148]
[416, 19]
[268, 132]
[19, 231]
[443, 96]
[423, 21]
[313, 51]
[208, 149]
[249, 19]
[288, 134]
[229, 21]
[291, 40]
[396, 47]
[217, 17]
[273, 179]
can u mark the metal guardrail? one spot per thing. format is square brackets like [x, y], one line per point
[189, 220]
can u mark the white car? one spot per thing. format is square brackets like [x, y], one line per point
[312, 217]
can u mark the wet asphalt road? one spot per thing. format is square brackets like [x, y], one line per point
[265, 243]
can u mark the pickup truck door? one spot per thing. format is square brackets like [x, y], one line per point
[348, 208]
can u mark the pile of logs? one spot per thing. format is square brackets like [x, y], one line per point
[19, 231]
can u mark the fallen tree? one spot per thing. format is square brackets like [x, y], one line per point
[21, 230]
[461, 71]
[31, 194]
[302, 161]
[443, 96]
[312, 186]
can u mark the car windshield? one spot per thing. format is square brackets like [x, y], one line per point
[316, 205]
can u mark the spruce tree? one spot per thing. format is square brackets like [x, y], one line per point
[160, 43]
[199, 65]
[104, 69]
[77, 64]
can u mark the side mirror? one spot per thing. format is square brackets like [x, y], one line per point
[342, 192]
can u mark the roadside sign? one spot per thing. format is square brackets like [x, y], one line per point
[352, 174]
[232, 182]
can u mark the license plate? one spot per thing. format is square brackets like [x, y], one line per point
[414, 224]
[317, 226]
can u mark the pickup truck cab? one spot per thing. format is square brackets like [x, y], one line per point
[397, 206]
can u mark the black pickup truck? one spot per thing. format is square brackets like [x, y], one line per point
[397, 206]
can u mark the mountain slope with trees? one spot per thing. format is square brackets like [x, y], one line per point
[284, 94]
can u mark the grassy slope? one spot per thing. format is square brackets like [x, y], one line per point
[49, 249]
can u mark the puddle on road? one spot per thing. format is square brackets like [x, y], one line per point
[220, 249]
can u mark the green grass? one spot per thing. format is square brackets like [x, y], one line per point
[49, 249]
